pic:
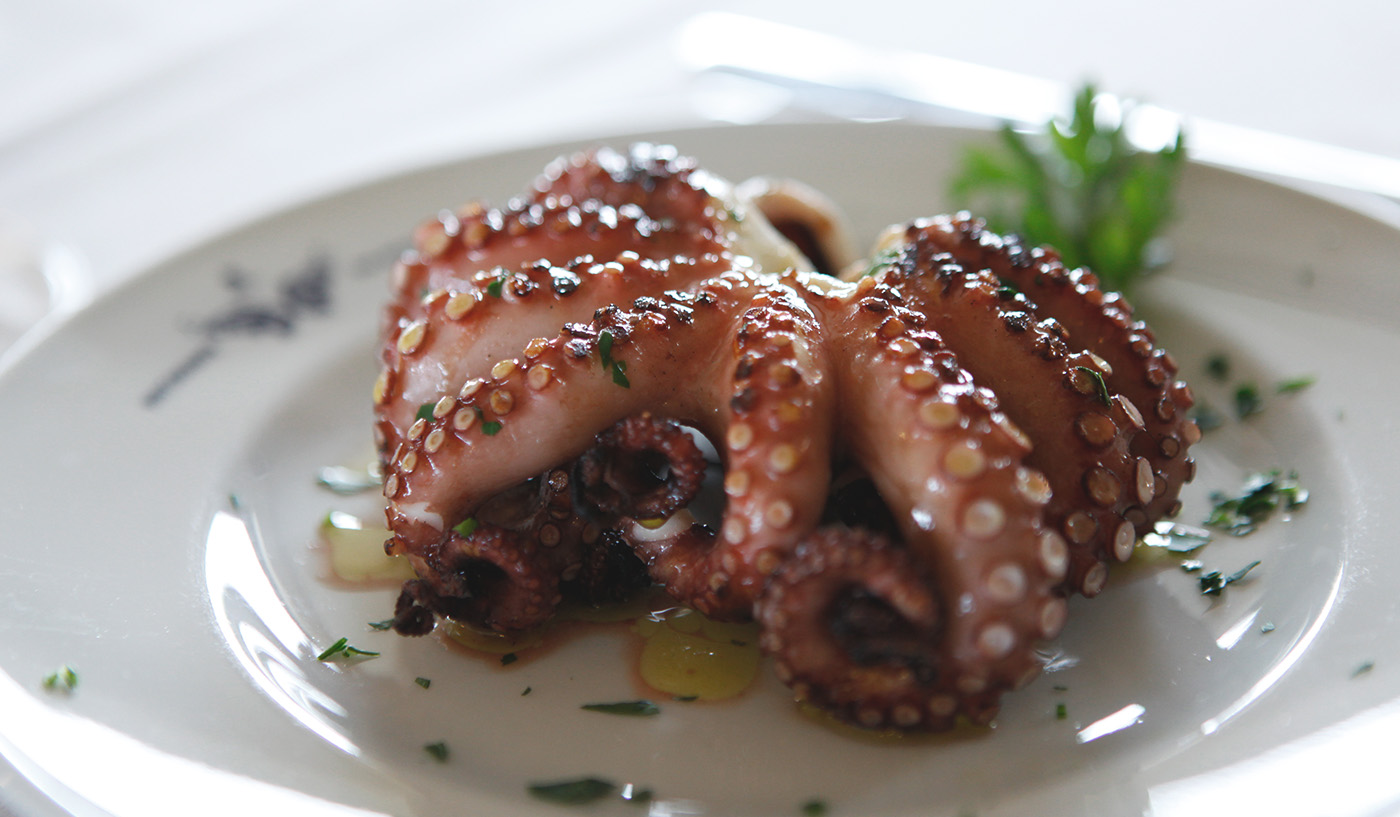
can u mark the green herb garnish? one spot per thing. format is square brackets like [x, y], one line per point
[1266, 627]
[814, 808]
[494, 288]
[1247, 401]
[641, 708]
[882, 261]
[1363, 668]
[619, 374]
[466, 527]
[1260, 496]
[1296, 384]
[425, 411]
[1218, 366]
[618, 367]
[1061, 712]
[342, 649]
[572, 792]
[1100, 388]
[526, 691]
[685, 699]
[1213, 582]
[1080, 186]
[438, 751]
[386, 624]
[423, 682]
[1206, 417]
[509, 658]
[63, 679]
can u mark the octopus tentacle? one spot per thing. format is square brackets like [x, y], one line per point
[618, 475]
[773, 377]
[1139, 373]
[492, 577]
[950, 467]
[1046, 389]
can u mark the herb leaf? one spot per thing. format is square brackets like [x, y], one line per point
[1247, 401]
[63, 679]
[1213, 582]
[814, 808]
[494, 288]
[1100, 388]
[1080, 186]
[438, 751]
[466, 527]
[425, 411]
[342, 649]
[642, 708]
[1295, 384]
[386, 624]
[1260, 496]
[423, 682]
[572, 792]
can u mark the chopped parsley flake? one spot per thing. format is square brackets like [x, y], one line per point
[1061, 712]
[882, 261]
[386, 624]
[425, 411]
[1206, 417]
[814, 808]
[1266, 627]
[1296, 384]
[1260, 496]
[618, 367]
[423, 682]
[63, 679]
[1218, 366]
[1247, 401]
[572, 792]
[509, 658]
[342, 649]
[438, 751]
[1213, 582]
[526, 691]
[642, 708]
[1363, 668]
[466, 527]
[491, 428]
[494, 288]
[1100, 388]
[685, 699]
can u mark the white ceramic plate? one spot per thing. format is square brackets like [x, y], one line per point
[160, 515]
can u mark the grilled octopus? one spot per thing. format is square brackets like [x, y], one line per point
[919, 463]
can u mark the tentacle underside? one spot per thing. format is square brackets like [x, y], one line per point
[546, 365]
[949, 465]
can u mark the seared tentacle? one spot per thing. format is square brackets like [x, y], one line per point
[621, 474]
[1140, 373]
[1047, 390]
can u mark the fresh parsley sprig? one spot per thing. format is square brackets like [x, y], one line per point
[1080, 186]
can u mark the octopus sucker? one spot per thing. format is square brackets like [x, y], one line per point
[917, 465]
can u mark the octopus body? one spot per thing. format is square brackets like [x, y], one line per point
[550, 367]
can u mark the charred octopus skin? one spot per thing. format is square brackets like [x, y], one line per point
[548, 366]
